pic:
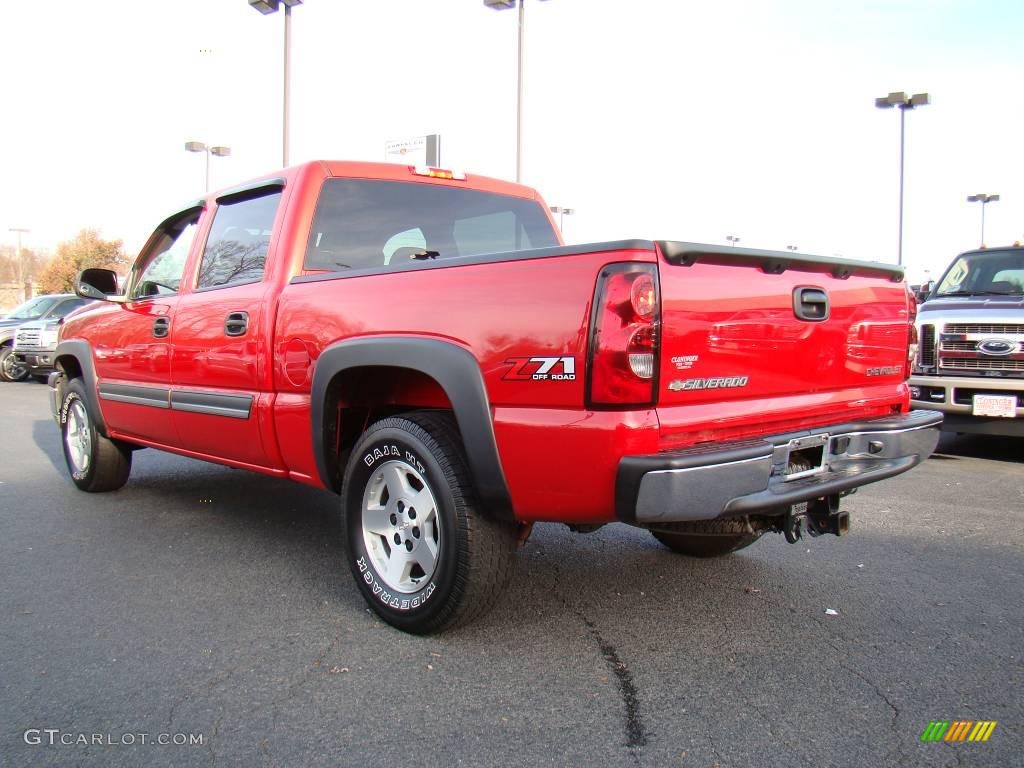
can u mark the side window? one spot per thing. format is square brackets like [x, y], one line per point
[236, 251]
[411, 238]
[66, 307]
[159, 272]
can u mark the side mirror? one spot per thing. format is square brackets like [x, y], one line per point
[924, 291]
[98, 284]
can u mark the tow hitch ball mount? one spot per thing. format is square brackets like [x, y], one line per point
[815, 518]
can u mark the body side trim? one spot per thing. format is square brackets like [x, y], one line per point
[212, 403]
[136, 394]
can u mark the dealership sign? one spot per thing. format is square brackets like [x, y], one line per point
[419, 150]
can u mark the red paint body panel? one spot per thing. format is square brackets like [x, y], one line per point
[559, 458]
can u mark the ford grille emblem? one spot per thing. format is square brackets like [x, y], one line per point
[996, 347]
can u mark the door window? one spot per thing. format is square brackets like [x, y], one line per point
[158, 273]
[236, 251]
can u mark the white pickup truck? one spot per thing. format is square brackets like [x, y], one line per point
[970, 361]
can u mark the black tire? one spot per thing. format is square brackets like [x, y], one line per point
[458, 563]
[9, 371]
[42, 379]
[708, 538]
[96, 463]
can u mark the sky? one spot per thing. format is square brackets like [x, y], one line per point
[656, 119]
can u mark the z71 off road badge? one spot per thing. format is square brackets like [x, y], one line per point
[541, 369]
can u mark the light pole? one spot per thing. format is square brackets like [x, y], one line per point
[732, 239]
[502, 5]
[198, 146]
[17, 257]
[562, 213]
[984, 199]
[904, 102]
[271, 6]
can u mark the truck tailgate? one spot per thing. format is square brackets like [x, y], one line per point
[747, 325]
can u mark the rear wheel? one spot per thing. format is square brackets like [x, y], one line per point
[10, 368]
[708, 538]
[95, 463]
[421, 552]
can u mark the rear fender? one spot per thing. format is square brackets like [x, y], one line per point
[457, 373]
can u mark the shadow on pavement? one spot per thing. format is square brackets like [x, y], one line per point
[989, 447]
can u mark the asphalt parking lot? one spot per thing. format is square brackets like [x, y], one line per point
[204, 600]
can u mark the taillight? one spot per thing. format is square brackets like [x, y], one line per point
[912, 337]
[624, 324]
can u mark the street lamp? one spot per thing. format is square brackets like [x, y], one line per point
[198, 146]
[732, 239]
[984, 199]
[562, 213]
[271, 6]
[502, 5]
[904, 102]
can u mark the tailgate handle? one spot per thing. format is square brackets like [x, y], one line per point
[810, 304]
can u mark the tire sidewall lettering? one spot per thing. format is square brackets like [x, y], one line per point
[69, 398]
[381, 592]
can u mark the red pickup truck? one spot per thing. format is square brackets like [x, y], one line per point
[420, 342]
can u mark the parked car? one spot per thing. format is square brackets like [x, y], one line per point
[34, 346]
[421, 343]
[40, 308]
[970, 364]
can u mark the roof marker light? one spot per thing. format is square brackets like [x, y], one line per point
[438, 173]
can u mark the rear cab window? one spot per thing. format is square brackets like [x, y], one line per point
[381, 225]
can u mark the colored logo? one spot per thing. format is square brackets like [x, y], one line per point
[541, 369]
[958, 730]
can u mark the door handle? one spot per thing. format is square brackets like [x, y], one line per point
[236, 324]
[810, 304]
[161, 327]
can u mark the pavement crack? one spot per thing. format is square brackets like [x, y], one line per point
[898, 737]
[636, 733]
[293, 689]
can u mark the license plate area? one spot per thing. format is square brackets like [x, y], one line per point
[1004, 406]
[811, 450]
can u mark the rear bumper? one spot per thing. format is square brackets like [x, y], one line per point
[750, 477]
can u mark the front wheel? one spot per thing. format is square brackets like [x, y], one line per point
[421, 552]
[10, 368]
[95, 463]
